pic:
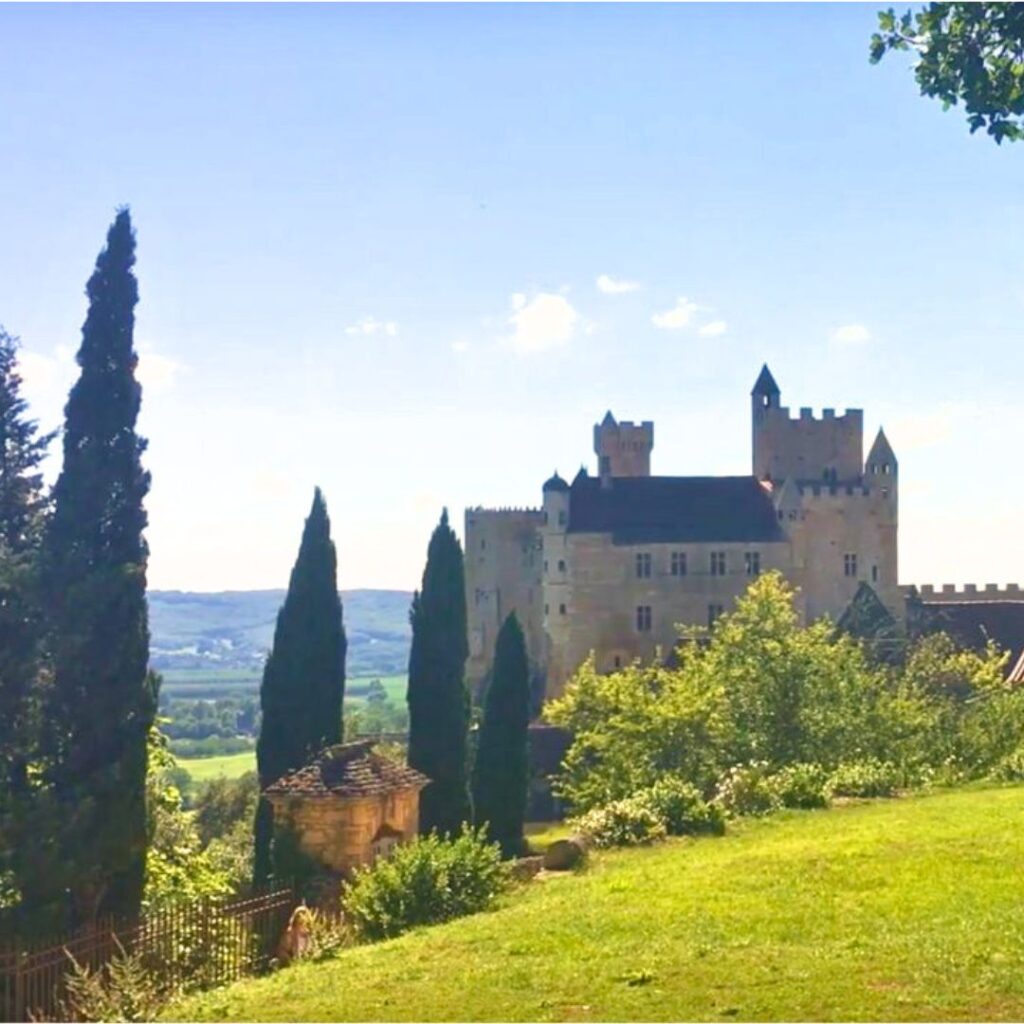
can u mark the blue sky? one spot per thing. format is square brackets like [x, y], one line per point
[412, 253]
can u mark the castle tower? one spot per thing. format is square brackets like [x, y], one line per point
[556, 587]
[804, 449]
[881, 478]
[623, 449]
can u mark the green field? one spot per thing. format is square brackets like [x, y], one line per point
[894, 910]
[230, 766]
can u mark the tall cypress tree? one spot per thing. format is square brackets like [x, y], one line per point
[501, 771]
[438, 697]
[304, 678]
[22, 508]
[103, 702]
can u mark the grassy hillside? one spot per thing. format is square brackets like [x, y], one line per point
[209, 645]
[899, 910]
[230, 766]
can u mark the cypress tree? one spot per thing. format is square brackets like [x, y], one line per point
[103, 701]
[437, 695]
[22, 509]
[304, 677]
[501, 771]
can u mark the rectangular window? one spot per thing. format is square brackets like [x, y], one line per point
[753, 561]
[849, 565]
[561, 609]
[643, 566]
[717, 563]
[874, 574]
[561, 565]
[678, 563]
[643, 618]
[561, 517]
[714, 611]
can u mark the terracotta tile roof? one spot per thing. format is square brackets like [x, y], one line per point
[348, 769]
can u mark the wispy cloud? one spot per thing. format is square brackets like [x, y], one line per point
[850, 335]
[542, 323]
[714, 329]
[678, 317]
[157, 373]
[616, 286]
[460, 346]
[369, 326]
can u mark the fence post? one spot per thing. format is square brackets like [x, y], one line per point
[19, 985]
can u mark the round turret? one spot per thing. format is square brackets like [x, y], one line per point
[555, 483]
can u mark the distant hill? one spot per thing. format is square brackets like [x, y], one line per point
[230, 632]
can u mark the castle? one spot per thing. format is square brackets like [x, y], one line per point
[612, 563]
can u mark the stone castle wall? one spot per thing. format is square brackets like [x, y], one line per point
[804, 448]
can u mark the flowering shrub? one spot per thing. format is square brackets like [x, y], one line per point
[865, 778]
[1010, 768]
[629, 822]
[801, 785]
[746, 789]
[682, 809]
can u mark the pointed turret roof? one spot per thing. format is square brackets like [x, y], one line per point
[581, 475]
[609, 420]
[765, 383]
[881, 450]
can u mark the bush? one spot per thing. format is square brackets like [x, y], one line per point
[120, 990]
[425, 881]
[865, 778]
[682, 809]
[1010, 768]
[629, 822]
[801, 785]
[747, 789]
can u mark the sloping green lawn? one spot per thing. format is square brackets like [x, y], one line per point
[908, 909]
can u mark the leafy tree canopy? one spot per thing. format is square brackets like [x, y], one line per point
[970, 53]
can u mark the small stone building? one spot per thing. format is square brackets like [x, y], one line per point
[349, 805]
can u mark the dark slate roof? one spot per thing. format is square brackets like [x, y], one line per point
[555, 483]
[348, 769]
[972, 623]
[765, 383]
[662, 509]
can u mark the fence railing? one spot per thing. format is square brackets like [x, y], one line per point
[195, 945]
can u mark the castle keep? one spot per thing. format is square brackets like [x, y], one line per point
[611, 563]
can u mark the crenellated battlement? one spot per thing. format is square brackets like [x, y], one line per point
[505, 510]
[806, 415]
[949, 593]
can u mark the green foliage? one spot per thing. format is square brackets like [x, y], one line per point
[178, 869]
[970, 53]
[681, 807]
[304, 679]
[212, 746]
[221, 803]
[501, 773]
[801, 785]
[425, 881]
[1011, 767]
[631, 821]
[747, 789]
[123, 989]
[438, 697]
[102, 701]
[865, 778]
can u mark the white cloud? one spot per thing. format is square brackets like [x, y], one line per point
[678, 317]
[155, 372]
[369, 326]
[610, 286]
[850, 334]
[545, 322]
[460, 346]
[714, 329]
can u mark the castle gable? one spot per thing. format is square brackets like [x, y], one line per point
[667, 509]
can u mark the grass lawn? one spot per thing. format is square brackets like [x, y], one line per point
[893, 910]
[202, 769]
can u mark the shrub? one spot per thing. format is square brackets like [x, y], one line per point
[120, 990]
[629, 822]
[423, 882]
[865, 778]
[681, 807]
[1010, 768]
[746, 789]
[801, 785]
